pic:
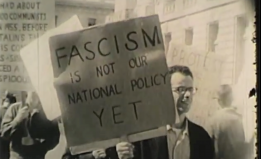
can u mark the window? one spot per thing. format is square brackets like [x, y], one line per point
[241, 25]
[167, 41]
[189, 36]
[91, 21]
[56, 20]
[212, 36]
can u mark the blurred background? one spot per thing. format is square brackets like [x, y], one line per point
[220, 29]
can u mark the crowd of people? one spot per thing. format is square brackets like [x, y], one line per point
[26, 133]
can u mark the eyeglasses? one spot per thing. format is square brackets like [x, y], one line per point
[183, 90]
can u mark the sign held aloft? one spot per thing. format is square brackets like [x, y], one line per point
[111, 81]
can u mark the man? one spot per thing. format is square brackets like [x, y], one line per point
[226, 128]
[30, 133]
[185, 140]
[8, 100]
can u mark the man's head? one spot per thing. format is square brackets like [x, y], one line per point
[225, 95]
[32, 100]
[182, 87]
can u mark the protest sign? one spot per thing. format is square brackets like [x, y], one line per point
[206, 68]
[40, 71]
[112, 80]
[21, 21]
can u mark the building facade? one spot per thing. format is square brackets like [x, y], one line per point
[89, 12]
[216, 27]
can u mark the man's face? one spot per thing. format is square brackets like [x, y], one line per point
[33, 101]
[183, 90]
[6, 103]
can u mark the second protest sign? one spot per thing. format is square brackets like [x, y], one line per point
[112, 80]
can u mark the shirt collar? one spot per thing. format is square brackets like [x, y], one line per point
[184, 131]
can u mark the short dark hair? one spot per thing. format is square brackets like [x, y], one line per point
[181, 69]
[10, 97]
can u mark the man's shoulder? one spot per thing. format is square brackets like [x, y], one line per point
[197, 130]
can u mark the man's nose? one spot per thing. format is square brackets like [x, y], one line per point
[187, 94]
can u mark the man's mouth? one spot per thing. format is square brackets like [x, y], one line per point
[182, 106]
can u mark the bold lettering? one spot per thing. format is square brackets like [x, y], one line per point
[77, 53]
[133, 84]
[79, 98]
[116, 43]
[155, 81]
[71, 98]
[152, 41]
[131, 40]
[76, 74]
[90, 51]
[59, 57]
[116, 114]
[99, 49]
[164, 77]
[135, 108]
[144, 60]
[99, 116]
[84, 93]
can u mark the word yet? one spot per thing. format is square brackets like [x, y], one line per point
[116, 112]
[135, 40]
[92, 94]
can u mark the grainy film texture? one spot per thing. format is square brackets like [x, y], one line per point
[127, 79]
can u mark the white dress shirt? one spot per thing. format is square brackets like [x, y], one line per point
[178, 142]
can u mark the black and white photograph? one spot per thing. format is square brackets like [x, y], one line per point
[128, 79]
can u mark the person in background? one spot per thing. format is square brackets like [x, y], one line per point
[8, 100]
[226, 127]
[184, 140]
[30, 133]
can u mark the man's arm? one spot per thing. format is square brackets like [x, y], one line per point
[68, 155]
[9, 123]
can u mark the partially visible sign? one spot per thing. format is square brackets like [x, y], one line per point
[111, 81]
[21, 21]
[37, 59]
[206, 68]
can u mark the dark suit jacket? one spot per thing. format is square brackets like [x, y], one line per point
[201, 147]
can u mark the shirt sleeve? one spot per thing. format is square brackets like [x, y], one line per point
[9, 125]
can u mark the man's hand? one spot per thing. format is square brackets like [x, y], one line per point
[22, 114]
[125, 150]
[99, 154]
